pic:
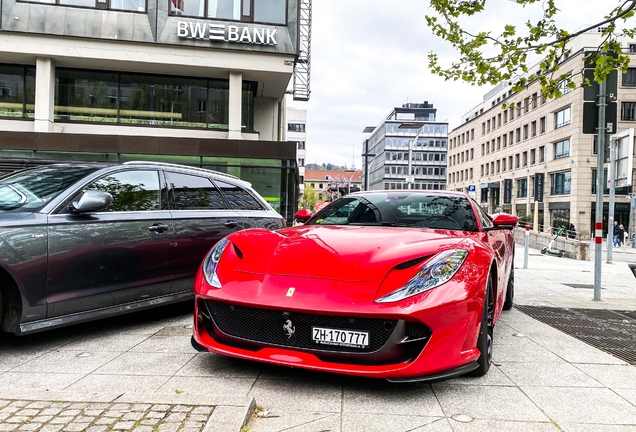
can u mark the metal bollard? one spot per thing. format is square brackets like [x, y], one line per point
[526, 247]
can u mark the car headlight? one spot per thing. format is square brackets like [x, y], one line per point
[438, 270]
[211, 263]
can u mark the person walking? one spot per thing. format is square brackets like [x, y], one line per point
[617, 232]
[622, 235]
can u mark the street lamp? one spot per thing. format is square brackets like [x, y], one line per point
[365, 155]
[410, 178]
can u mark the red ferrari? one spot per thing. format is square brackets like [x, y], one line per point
[403, 285]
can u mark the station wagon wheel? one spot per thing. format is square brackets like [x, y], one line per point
[1, 308]
[485, 340]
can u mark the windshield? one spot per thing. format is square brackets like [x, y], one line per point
[30, 190]
[402, 209]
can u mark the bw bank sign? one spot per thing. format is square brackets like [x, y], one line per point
[226, 33]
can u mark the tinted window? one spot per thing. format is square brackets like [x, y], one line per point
[29, 191]
[238, 197]
[411, 209]
[131, 190]
[194, 193]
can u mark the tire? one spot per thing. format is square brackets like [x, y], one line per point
[561, 253]
[510, 291]
[544, 250]
[1, 310]
[485, 339]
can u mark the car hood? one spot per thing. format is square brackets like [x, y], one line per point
[337, 252]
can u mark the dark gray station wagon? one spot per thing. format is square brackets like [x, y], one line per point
[85, 241]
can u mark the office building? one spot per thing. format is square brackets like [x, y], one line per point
[499, 155]
[412, 129]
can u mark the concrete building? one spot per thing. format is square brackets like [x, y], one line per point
[199, 82]
[297, 134]
[412, 129]
[499, 153]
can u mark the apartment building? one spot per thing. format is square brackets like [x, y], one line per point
[410, 130]
[499, 155]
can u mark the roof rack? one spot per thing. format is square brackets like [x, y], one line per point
[166, 164]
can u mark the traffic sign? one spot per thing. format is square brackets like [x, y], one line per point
[472, 188]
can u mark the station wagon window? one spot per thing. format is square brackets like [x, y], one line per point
[131, 190]
[238, 197]
[193, 193]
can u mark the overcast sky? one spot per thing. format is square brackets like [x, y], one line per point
[369, 56]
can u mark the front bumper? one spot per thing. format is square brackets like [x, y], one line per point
[422, 343]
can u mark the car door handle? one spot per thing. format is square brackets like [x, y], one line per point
[231, 224]
[158, 228]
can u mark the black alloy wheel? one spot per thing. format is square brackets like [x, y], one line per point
[485, 340]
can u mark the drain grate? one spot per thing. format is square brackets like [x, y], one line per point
[608, 330]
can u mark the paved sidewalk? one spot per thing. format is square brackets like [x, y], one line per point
[138, 368]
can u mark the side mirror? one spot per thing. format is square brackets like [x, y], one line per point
[91, 200]
[505, 221]
[303, 215]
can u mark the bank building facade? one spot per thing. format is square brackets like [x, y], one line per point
[197, 82]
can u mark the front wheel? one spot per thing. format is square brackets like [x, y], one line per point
[486, 331]
[544, 250]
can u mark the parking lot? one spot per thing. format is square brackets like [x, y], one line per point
[542, 379]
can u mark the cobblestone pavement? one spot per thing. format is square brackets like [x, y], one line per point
[39, 416]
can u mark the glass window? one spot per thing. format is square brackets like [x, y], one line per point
[126, 5]
[270, 11]
[265, 11]
[541, 153]
[160, 100]
[561, 183]
[131, 190]
[542, 125]
[562, 149]
[627, 110]
[17, 91]
[30, 190]
[238, 197]
[86, 95]
[522, 188]
[563, 87]
[629, 77]
[194, 193]
[83, 95]
[247, 99]
[562, 118]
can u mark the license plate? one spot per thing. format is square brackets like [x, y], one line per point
[337, 337]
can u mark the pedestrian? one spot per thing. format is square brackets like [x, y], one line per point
[617, 232]
[622, 235]
[571, 231]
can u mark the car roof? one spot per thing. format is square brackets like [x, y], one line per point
[105, 165]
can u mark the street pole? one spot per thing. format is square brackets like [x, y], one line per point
[408, 176]
[600, 163]
[612, 190]
[632, 227]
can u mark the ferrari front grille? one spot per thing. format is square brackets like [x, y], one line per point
[268, 326]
